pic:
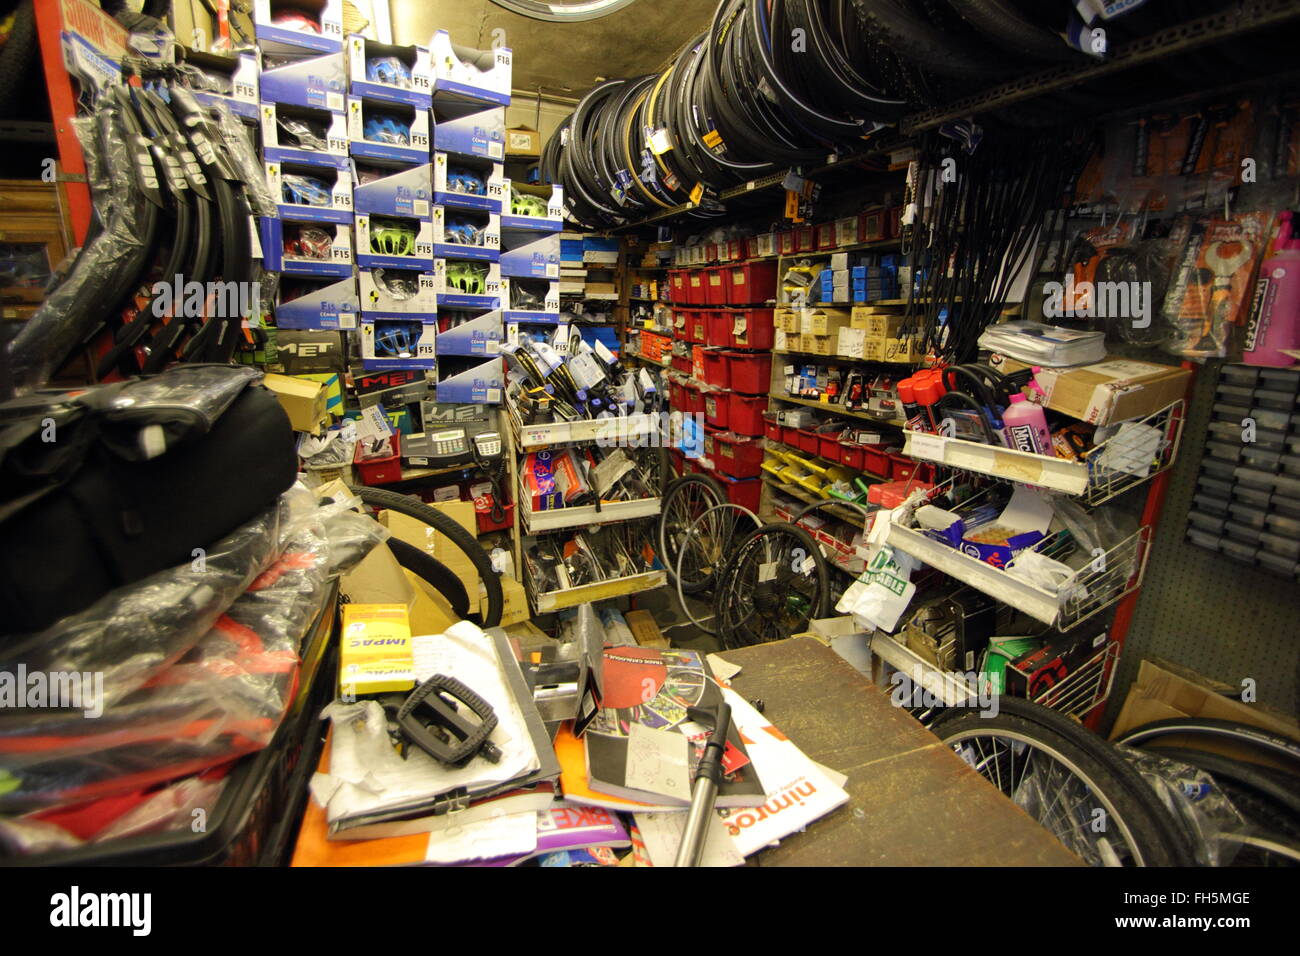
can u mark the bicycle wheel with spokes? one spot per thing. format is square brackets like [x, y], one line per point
[1086, 802]
[774, 583]
[700, 546]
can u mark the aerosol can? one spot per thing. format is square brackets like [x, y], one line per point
[1274, 322]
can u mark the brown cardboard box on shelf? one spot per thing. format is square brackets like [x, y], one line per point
[378, 579]
[878, 323]
[820, 344]
[788, 320]
[1164, 690]
[302, 400]
[823, 321]
[901, 350]
[1111, 391]
[522, 141]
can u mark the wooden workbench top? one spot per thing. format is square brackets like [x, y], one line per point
[912, 801]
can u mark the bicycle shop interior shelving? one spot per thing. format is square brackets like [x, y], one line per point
[582, 426]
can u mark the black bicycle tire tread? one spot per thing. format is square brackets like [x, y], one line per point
[1149, 827]
[466, 542]
[434, 573]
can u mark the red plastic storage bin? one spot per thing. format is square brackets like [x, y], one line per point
[809, 441]
[697, 327]
[736, 456]
[694, 399]
[752, 283]
[788, 242]
[718, 328]
[853, 455]
[752, 328]
[677, 286]
[790, 436]
[717, 409]
[751, 247]
[825, 236]
[876, 460]
[683, 363]
[379, 471]
[715, 286]
[751, 372]
[805, 239]
[771, 429]
[745, 492]
[677, 396]
[828, 446]
[736, 249]
[483, 515]
[695, 287]
[900, 467]
[745, 414]
[716, 368]
[681, 322]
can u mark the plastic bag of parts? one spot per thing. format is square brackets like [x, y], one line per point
[240, 149]
[1203, 811]
[176, 806]
[130, 634]
[112, 256]
[224, 698]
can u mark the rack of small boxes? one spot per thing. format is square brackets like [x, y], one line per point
[388, 162]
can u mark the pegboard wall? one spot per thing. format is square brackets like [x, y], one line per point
[1218, 617]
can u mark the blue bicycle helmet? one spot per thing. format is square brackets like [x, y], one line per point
[305, 190]
[464, 232]
[385, 129]
[466, 181]
[388, 70]
[396, 339]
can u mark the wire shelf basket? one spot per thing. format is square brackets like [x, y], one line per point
[1136, 453]
[1087, 687]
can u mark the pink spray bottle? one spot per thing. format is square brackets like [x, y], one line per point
[1274, 322]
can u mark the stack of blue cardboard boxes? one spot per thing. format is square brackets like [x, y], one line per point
[397, 223]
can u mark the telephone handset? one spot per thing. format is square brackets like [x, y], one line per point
[452, 434]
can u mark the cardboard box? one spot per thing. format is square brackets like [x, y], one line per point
[378, 579]
[1111, 391]
[302, 400]
[375, 653]
[514, 608]
[820, 344]
[1164, 690]
[522, 141]
[787, 320]
[852, 343]
[901, 350]
[644, 629]
[823, 321]
[877, 323]
[436, 545]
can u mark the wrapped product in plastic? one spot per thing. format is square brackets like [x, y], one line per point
[224, 698]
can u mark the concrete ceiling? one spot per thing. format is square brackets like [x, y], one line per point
[563, 58]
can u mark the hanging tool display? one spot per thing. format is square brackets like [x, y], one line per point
[974, 225]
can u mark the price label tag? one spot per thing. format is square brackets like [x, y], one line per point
[929, 447]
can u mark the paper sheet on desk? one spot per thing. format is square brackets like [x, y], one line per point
[508, 834]
[662, 833]
[367, 776]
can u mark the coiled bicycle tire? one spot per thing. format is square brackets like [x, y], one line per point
[436, 574]
[462, 539]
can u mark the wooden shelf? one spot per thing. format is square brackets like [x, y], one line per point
[597, 591]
